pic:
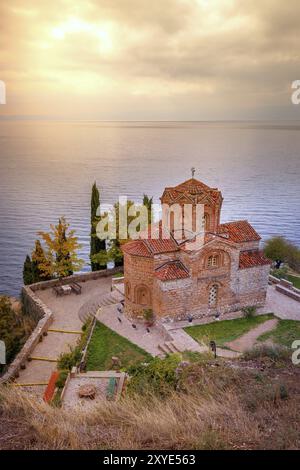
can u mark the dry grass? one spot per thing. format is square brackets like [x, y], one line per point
[224, 408]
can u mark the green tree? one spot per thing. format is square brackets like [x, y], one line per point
[96, 245]
[39, 258]
[61, 255]
[15, 327]
[281, 249]
[28, 277]
[276, 248]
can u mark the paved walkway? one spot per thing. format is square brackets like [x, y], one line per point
[281, 305]
[248, 340]
[186, 342]
[148, 341]
[65, 311]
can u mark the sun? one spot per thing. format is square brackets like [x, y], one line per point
[72, 26]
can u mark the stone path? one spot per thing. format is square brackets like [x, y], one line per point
[282, 306]
[248, 340]
[65, 310]
[108, 315]
[154, 342]
[185, 342]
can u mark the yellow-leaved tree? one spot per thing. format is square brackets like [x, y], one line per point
[61, 246]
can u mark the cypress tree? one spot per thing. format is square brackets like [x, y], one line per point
[27, 271]
[147, 202]
[96, 245]
[63, 256]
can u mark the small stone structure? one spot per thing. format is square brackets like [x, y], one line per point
[285, 287]
[95, 385]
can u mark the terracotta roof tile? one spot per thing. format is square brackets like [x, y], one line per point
[192, 187]
[249, 259]
[239, 231]
[136, 248]
[161, 246]
[171, 271]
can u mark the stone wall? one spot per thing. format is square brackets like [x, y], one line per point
[35, 307]
[178, 299]
[285, 287]
[138, 273]
[39, 311]
[75, 278]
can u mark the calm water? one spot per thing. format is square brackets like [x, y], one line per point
[47, 169]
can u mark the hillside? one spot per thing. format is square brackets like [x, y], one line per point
[252, 403]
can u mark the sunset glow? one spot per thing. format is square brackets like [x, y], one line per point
[128, 59]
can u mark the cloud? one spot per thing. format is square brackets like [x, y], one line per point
[236, 58]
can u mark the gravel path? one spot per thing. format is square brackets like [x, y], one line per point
[248, 340]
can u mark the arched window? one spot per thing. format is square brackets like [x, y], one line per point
[143, 295]
[213, 261]
[213, 295]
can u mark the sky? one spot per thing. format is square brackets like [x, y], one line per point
[150, 59]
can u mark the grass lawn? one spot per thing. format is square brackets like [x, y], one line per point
[105, 343]
[284, 334]
[295, 280]
[227, 330]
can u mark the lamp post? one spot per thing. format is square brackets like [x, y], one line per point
[213, 347]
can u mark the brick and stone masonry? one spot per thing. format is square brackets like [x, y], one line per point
[228, 272]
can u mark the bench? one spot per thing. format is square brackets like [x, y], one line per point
[58, 291]
[76, 288]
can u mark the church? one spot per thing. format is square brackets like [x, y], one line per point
[178, 280]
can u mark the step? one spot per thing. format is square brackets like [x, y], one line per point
[169, 345]
[72, 332]
[175, 346]
[32, 384]
[164, 349]
[40, 358]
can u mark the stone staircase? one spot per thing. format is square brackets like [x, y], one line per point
[168, 347]
[90, 308]
[180, 342]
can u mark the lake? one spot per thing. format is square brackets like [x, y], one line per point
[47, 169]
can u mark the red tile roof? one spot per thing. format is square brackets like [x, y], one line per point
[137, 248]
[192, 186]
[150, 247]
[239, 231]
[161, 246]
[249, 259]
[171, 271]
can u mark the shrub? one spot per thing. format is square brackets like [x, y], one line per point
[157, 377]
[70, 359]
[148, 315]
[63, 374]
[15, 328]
[249, 312]
[280, 273]
[264, 350]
